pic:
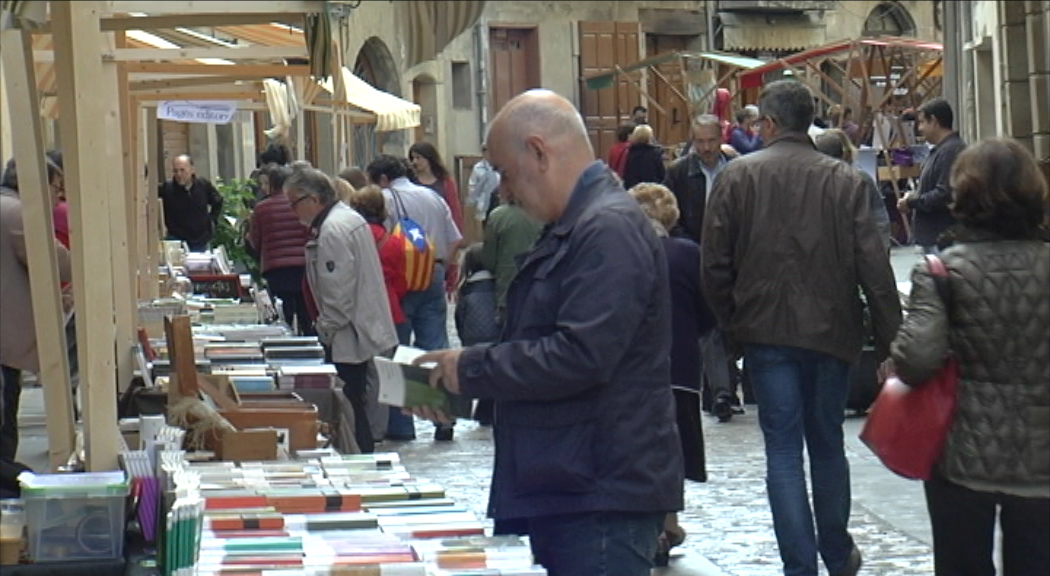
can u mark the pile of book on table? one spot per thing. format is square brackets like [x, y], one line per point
[323, 515]
[255, 365]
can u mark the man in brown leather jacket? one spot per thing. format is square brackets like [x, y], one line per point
[787, 239]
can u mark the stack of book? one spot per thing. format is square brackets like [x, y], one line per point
[234, 353]
[293, 350]
[359, 514]
[246, 377]
[306, 377]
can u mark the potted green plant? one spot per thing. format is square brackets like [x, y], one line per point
[238, 200]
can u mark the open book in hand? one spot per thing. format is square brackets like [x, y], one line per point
[407, 386]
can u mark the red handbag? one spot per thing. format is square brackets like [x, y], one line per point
[907, 427]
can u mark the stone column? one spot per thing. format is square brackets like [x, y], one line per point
[1038, 29]
[1014, 41]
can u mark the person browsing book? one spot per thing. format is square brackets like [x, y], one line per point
[344, 273]
[587, 459]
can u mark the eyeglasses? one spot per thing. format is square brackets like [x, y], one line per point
[300, 199]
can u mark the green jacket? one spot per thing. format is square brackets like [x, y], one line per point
[508, 232]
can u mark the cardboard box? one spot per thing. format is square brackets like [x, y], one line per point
[248, 445]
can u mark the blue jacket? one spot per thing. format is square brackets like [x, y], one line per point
[585, 418]
[743, 142]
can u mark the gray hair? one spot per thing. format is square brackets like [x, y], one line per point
[706, 120]
[309, 181]
[789, 103]
[52, 161]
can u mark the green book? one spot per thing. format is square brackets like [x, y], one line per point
[408, 386]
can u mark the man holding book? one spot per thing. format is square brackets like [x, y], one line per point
[587, 455]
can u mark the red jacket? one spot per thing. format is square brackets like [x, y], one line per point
[392, 258]
[276, 233]
[618, 157]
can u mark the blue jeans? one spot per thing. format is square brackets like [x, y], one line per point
[801, 397]
[427, 313]
[596, 543]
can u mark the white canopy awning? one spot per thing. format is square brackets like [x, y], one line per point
[392, 113]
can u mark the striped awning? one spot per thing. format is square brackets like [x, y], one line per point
[429, 26]
[759, 33]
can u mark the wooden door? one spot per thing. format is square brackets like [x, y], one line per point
[603, 46]
[514, 63]
[672, 127]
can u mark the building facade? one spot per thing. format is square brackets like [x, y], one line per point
[998, 76]
[519, 45]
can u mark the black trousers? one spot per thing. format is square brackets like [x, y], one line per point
[355, 387]
[287, 284]
[12, 391]
[963, 523]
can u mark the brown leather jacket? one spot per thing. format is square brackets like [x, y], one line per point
[788, 237]
[997, 323]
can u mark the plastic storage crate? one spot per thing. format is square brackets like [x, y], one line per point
[73, 517]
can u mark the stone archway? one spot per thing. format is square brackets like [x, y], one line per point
[889, 19]
[375, 64]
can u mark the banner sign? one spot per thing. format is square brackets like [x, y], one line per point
[201, 112]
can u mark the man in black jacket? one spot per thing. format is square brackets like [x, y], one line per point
[690, 178]
[930, 202]
[586, 447]
[192, 205]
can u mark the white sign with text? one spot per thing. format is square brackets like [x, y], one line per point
[201, 112]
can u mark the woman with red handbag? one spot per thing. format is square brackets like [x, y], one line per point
[996, 321]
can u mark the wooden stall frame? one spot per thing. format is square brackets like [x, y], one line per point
[40, 244]
[77, 40]
[107, 88]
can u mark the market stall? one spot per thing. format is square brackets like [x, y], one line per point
[865, 74]
[877, 78]
[687, 80]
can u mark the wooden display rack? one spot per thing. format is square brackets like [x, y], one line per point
[246, 412]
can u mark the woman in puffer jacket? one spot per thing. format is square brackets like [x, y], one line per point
[996, 321]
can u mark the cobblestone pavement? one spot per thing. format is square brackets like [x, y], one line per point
[727, 518]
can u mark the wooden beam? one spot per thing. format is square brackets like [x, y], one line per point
[198, 20]
[129, 137]
[48, 317]
[242, 53]
[79, 71]
[159, 95]
[253, 70]
[674, 89]
[241, 104]
[831, 81]
[121, 204]
[191, 82]
[122, 23]
[638, 86]
[802, 77]
[118, 7]
[152, 200]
